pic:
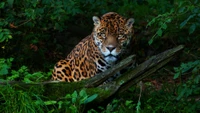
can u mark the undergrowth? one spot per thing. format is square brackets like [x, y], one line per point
[30, 44]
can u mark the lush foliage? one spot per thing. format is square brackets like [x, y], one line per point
[22, 74]
[32, 101]
[34, 34]
[186, 12]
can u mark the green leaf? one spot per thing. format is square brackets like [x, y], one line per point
[177, 75]
[9, 36]
[150, 41]
[10, 60]
[2, 5]
[68, 96]
[34, 3]
[90, 99]
[184, 67]
[192, 28]
[2, 38]
[83, 93]
[164, 26]
[168, 20]
[4, 70]
[181, 92]
[39, 102]
[138, 107]
[13, 77]
[27, 80]
[82, 100]
[5, 65]
[128, 102]
[51, 102]
[73, 109]
[10, 3]
[185, 21]
[60, 104]
[30, 13]
[182, 9]
[74, 96]
[6, 31]
[151, 22]
[159, 32]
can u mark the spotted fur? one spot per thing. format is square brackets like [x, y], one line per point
[98, 51]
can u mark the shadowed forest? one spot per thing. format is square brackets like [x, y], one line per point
[35, 34]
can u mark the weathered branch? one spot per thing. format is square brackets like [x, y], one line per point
[53, 90]
[102, 77]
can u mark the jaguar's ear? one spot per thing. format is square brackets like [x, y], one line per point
[96, 20]
[129, 23]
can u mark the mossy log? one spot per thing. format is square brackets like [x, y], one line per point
[54, 90]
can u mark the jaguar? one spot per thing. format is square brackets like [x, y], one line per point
[97, 52]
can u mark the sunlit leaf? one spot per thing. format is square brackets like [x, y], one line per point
[68, 96]
[27, 80]
[128, 102]
[60, 104]
[51, 102]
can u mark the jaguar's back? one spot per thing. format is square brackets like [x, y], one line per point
[98, 51]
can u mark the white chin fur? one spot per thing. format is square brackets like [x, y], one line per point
[110, 59]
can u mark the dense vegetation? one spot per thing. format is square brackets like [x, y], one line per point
[34, 34]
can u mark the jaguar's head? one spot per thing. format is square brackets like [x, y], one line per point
[112, 33]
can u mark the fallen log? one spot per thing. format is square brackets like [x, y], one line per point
[54, 90]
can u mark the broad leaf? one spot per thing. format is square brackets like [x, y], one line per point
[90, 99]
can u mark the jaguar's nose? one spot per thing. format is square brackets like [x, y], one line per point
[110, 48]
